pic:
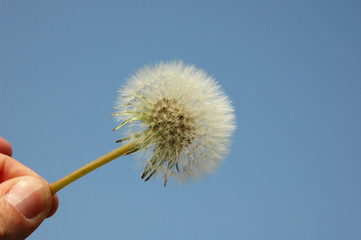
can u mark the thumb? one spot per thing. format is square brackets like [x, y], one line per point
[24, 203]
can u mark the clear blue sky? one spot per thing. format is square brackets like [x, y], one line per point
[291, 68]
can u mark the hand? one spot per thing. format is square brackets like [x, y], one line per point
[25, 198]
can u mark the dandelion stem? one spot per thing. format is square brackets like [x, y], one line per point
[122, 150]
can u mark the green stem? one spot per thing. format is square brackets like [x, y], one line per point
[122, 150]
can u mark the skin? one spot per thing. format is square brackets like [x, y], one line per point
[13, 224]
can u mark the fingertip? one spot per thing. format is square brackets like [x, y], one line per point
[54, 205]
[24, 203]
[5, 147]
[29, 197]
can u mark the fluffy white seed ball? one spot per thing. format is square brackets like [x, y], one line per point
[179, 117]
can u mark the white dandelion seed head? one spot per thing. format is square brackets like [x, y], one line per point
[180, 119]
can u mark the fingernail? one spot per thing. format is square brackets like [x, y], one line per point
[28, 197]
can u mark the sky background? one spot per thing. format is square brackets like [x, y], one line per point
[291, 68]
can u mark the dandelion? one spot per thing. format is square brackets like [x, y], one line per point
[179, 116]
[176, 119]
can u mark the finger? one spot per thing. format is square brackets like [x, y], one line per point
[24, 203]
[10, 168]
[5, 147]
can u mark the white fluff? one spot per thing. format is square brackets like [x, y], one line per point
[179, 117]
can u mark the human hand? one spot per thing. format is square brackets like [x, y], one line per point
[25, 198]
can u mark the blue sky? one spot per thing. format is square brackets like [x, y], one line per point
[291, 68]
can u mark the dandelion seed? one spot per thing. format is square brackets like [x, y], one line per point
[179, 117]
